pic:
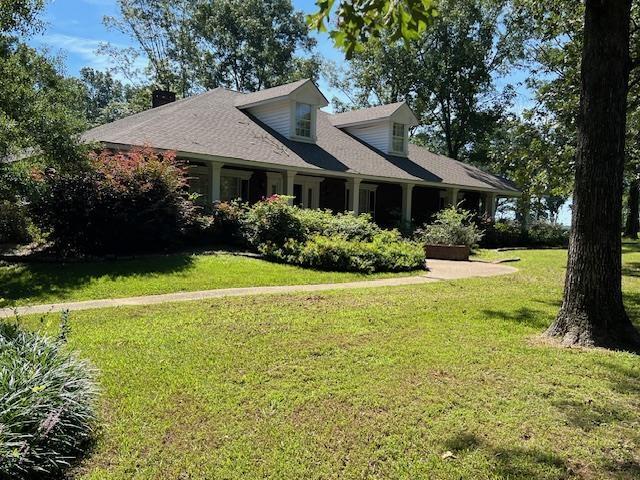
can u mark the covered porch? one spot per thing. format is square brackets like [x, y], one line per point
[390, 203]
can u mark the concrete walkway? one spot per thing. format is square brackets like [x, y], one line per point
[440, 270]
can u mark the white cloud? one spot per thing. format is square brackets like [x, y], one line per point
[83, 50]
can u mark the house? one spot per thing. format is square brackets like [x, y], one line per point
[278, 141]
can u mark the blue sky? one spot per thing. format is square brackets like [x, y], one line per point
[75, 30]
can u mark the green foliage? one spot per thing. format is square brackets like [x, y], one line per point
[318, 239]
[47, 404]
[451, 226]
[252, 44]
[507, 233]
[345, 225]
[107, 99]
[122, 202]
[385, 252]
[361, 19]
[20, 16]
[15, 225]
[189, 45]
[447, 75]
[228, 222]
[40, 110]
[273, 221]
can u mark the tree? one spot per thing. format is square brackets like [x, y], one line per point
[447, 75]
[107, 99]
[20, 16]
[195, 45]
[252, 44]
[592, 311]
[40, 108]
[534, 156]
[161, 30]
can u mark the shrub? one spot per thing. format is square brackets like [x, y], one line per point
[228, 222]
[273, 221]
[345, 225]
[452, 226]
[121, 202]
[546, 234]
[509, 233]
[387, 251]
[47, 404]
[15, 226]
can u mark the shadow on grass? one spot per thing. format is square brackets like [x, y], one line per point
[43, 279]
[524, 316]
[511, 462]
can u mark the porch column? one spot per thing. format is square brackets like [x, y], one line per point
[407, 191]
[452, 199]
[215, 169]
[354, 195]
[490, 206]
[289, 178]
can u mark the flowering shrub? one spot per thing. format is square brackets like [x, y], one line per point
[121, 202]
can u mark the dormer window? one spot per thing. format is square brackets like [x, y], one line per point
[397, 140]
[303, 120]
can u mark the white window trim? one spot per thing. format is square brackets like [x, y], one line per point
[314, 121]
[405, 140]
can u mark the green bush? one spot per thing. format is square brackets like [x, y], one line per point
[344, 225]
[386, 252]
[15, 226]
[47, 405]
[119, 203]
[273, 221]
[452, 226]
[546, 234]
[509, 233]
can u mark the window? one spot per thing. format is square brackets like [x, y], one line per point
[230, 188]
[303, 120]
[199, 183]
[234, 184]
[397, 144]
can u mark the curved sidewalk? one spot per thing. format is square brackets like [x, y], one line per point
[439, 270]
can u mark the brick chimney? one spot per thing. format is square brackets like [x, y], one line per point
[162, 97]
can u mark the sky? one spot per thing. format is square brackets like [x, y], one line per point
[74, 31]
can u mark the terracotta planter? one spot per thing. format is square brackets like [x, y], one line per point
[447, 252]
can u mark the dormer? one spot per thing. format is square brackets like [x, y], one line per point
[385, 128]
[291, 109]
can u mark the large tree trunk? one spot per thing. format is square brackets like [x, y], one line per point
[632, 227]
[592, 312]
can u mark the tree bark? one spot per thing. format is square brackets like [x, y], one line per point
[592, 312]
[632, 227]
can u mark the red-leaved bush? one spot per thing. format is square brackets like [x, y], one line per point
[121, 202]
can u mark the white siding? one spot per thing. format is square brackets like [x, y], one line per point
[376, 135]
[276, 115]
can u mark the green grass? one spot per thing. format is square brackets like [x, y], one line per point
[363, 384]
[47, 283]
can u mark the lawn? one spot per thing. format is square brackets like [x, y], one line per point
[47, 283]
[363, 384]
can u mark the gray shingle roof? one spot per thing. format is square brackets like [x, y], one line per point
[365, 114]
[210, 124]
